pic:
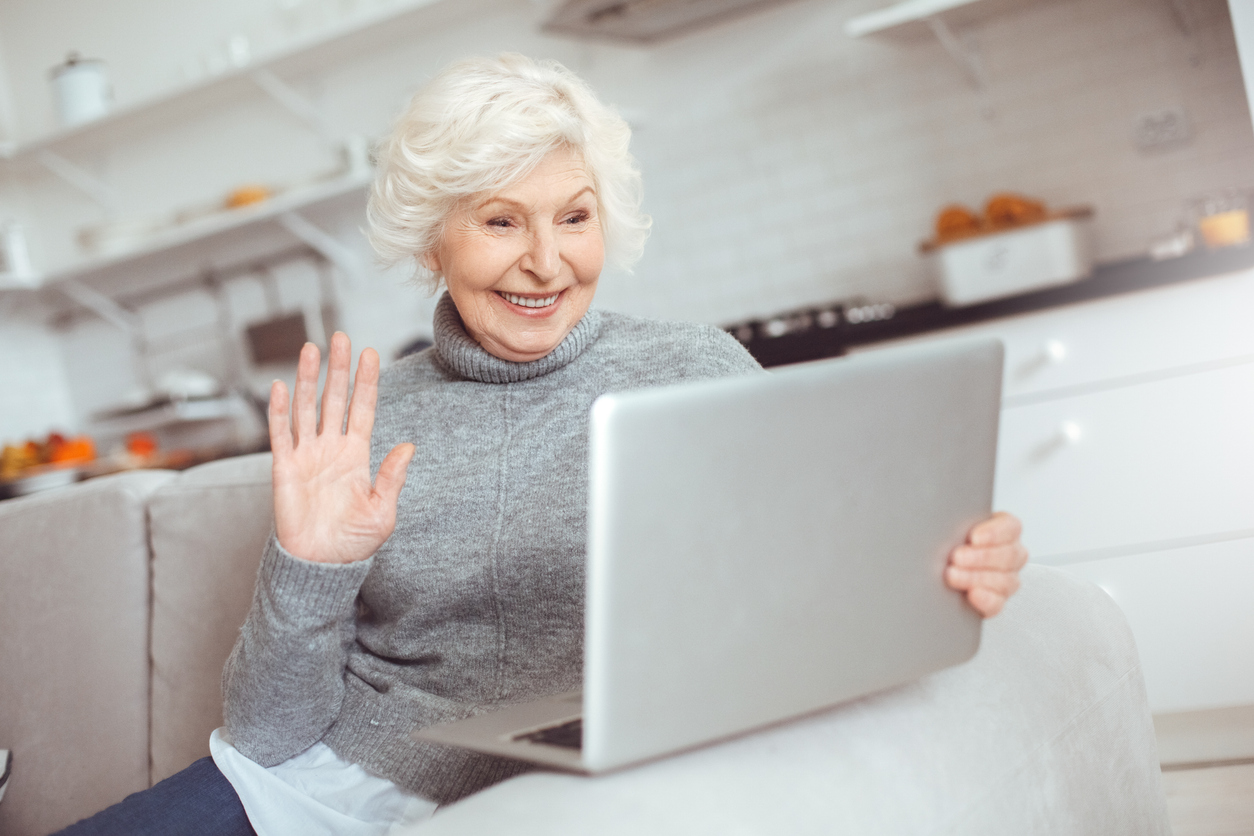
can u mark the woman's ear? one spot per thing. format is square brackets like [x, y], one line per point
[430, 260]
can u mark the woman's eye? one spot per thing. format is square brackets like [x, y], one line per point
[577, 218]
[500, 223]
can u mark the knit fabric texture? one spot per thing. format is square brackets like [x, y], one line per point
[476, 600]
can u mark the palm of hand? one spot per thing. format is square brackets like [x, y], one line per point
[325, 508]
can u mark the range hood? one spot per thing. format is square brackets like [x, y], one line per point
[643, 21]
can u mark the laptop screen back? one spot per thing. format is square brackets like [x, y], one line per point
[763, 547]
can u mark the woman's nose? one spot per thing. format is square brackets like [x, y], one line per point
[543, 258]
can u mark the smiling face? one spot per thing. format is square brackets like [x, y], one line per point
[522, 263]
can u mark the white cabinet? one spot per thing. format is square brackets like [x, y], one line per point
[1131, 466]
[1127, 449]
[1191, 612]
[1124, 339]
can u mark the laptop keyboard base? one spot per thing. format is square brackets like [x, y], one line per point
[568, 735]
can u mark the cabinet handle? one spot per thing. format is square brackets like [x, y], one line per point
[1068, 435]
[1051, 353]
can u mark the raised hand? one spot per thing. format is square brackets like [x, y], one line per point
[325, 508]
[986, 567]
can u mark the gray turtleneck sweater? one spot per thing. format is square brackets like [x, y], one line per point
[476, 600]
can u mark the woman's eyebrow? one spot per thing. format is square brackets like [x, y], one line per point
[580, 194]
[510, 202]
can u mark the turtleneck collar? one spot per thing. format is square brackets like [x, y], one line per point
[462, 355]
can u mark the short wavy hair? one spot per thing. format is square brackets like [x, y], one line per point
[482, 125]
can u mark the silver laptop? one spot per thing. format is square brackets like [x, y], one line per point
[763, 547]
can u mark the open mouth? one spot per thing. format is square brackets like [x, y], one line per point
[530, 301]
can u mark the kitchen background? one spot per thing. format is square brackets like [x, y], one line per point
[786, 163]
[788, 166]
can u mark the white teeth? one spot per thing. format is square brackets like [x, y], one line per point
[527, 302]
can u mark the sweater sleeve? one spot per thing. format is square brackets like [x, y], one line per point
[283, 683]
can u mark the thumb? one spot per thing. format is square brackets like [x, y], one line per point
[391, 477]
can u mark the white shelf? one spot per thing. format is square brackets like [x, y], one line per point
[376, 26]
[174, 237]
[900, 14]
[175, 412]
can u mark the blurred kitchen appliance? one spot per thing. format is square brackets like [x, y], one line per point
[1055, 251]
[277, 340]
[642, 20]
[82, 90]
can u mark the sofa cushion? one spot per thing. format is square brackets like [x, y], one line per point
[1047, 730]
[208, 527]
[74, 649]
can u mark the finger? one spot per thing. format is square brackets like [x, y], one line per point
[1010, 557]
[999, 528]
[1003, 583]
[391, 476]
[365, 392]
[335, 390]
[279, 420]
[986, 602]
[304, 417]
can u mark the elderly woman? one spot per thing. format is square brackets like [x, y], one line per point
[453, 580]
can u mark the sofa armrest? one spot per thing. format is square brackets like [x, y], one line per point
[1047, 730]
[74, 649]
[208, 527]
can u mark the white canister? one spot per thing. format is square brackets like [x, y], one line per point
[82, 90]
[1020, 260]
[14, 258]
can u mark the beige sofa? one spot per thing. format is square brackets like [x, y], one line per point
[121, 597]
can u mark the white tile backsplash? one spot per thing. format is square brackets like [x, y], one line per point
[902, 134]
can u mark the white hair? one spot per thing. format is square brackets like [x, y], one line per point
[482, 125]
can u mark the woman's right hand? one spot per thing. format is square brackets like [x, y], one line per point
[325, 508]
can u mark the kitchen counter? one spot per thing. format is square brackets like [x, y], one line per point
[831, 330]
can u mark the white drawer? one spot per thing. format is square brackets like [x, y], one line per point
[1145, 464]
[1191, 614]
[1141, 333]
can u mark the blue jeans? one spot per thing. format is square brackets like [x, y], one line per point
[198, 801]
